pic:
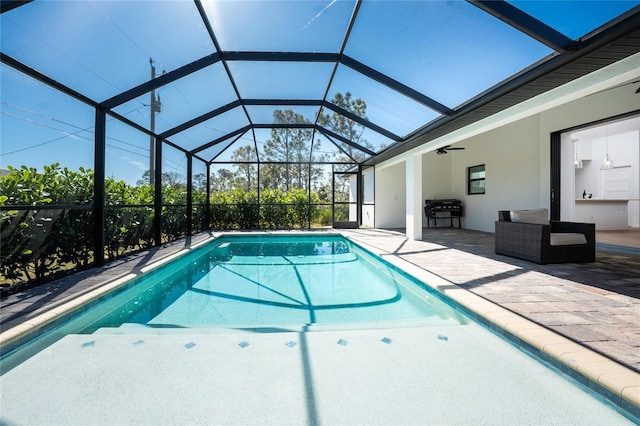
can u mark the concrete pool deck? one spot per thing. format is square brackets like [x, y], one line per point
[586, 306]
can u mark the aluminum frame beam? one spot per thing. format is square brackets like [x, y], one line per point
[276, 102]
[529, 25]
[240, 131]
[99, 190]
[395, 85]
[279, 56]
[7, 5]
[204, 117]
[362, 121]
[310, 126]
[232, 142]
[27, 70]
[207, 23]
[329, 133]
[160, 81]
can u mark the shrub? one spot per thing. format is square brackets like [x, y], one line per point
[39, 242]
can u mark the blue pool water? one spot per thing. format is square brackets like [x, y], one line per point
[274, 281]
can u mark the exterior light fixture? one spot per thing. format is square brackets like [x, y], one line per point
[607, 164]
[577, 163]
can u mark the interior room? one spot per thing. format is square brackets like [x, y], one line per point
[604, 188]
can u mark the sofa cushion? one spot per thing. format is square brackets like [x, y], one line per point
[539, 216]
[566, 238]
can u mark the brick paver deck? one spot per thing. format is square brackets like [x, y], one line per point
[595, 304]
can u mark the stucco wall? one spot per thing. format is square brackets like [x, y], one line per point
[436, 178]
[368, 209]
[518, 159]
[390, 197]
[511, 157]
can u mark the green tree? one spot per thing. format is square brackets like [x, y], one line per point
[290, 148]
[171, 178]
[223, 180]
[200, 182]
[247, 171]
[347, 127]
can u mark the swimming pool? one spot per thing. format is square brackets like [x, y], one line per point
[237, 312]
[257, 282]
[280, 281]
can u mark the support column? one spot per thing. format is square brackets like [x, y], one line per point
[157, 198]
[99, 196]
[207, 211]
[360, 198]
[414, 197]
[189, 195]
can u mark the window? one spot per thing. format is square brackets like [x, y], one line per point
[475, 179]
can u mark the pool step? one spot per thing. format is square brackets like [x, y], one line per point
[134, 328]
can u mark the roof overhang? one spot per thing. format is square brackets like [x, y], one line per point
[607, 47]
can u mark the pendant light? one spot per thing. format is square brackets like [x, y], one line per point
[607, 164]
[577, 163]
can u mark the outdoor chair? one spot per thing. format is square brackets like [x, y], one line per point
[529, 235]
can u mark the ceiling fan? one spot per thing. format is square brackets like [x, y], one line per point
[445, 149]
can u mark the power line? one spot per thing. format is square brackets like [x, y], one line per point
[177, 166]
[39, 114]
[184, 97]
[126, 150]
[71, 59]
[112, 22]
[76, 135]
[66, 134]
[18, 107]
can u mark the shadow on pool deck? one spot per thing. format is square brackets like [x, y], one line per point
[614, 269]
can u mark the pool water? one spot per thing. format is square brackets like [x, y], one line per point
[275, 281]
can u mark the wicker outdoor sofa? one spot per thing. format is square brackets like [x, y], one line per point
[527, 234]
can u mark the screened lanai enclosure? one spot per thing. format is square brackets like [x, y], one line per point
[128, 124]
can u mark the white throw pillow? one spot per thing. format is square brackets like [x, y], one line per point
[540, 216]
[566, 238]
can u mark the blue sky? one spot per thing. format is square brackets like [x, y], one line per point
[448, 50]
